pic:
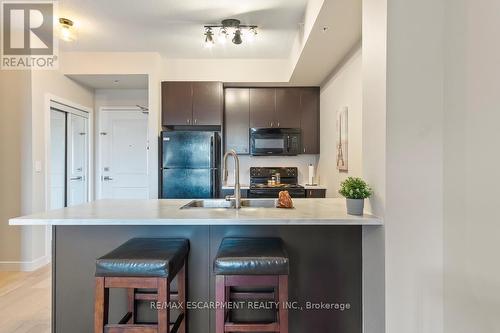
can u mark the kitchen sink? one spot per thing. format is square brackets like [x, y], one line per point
[222, 203]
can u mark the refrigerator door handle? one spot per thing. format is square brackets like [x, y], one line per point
[212, 154]
[212, 183]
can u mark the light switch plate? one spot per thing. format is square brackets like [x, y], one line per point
[38, 166]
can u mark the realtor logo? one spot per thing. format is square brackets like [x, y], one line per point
[28, 39]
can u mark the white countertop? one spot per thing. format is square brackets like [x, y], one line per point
[167, 212]
[231, 187]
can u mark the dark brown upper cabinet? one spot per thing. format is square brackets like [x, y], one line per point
[237, 119]
[176, 103]
[262, 107]
[207, 103]
[191, 103]
[309, 122]
[287, 108]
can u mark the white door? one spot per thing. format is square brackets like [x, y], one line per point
[77, 160]
[57, 159]
[124, 155]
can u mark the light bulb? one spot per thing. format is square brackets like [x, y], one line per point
[209, 40]
[222, 36]
[250, 35]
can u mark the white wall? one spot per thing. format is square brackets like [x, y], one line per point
[120, 97]
[343, 89]
[225, 70]
[471, 162]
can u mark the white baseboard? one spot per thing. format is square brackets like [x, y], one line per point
[24, 266]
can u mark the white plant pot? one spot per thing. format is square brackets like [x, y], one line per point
[355, 206]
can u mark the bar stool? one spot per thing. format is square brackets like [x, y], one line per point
[256, 263]
[142, 263]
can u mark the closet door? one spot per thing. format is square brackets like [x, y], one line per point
[57, 159]
[77, 160]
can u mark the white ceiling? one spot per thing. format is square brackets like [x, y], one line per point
[129, 81]
[174, 28]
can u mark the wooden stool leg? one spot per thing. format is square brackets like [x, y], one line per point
[163, 310]
[181, 283]
[101, 305]
[283, 299]
[220, 297]
[131, 305]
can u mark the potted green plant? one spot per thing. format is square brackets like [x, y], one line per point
[355, 190]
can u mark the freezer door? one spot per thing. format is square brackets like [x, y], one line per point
[188, 183]
[187, 149]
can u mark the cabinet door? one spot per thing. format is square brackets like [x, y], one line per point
[207, 103]
[237, 119]
[288, 107]
[315, 193]
[176, 103]
[309, 123]
[262, 107]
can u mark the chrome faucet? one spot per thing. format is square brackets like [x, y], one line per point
[237, 192]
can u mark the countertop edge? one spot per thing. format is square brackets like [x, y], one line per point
[149, 222]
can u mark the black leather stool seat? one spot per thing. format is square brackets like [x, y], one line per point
[144, 257]
[251, 256]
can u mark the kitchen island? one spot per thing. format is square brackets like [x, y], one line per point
[325, 246]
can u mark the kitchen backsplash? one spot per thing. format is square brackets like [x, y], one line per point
[301, 162]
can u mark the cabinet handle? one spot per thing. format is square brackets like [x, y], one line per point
[271, 124]
[304, 149]
[278, 124]
[195, 121]
[189, 121]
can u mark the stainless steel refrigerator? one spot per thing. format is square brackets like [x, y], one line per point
[190, 164]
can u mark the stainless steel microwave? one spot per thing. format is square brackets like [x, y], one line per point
[274, 141]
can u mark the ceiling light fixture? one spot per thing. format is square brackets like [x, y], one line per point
[241, 31]
[67, 30]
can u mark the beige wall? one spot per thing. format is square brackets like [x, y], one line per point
[15, 105]
[414, 167]
[471, 163]
[343, 89]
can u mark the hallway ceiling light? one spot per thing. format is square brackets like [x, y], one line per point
[241, 32]
[67, 29]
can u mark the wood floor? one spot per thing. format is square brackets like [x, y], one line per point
[25, 301]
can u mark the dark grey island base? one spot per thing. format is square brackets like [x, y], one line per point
[326, 267]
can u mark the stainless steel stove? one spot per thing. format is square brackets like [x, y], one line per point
[288, 180]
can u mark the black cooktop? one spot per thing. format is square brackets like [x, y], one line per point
[277, 186]
[259, 178]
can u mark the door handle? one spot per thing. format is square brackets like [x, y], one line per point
[76, 178]
[107, 178]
